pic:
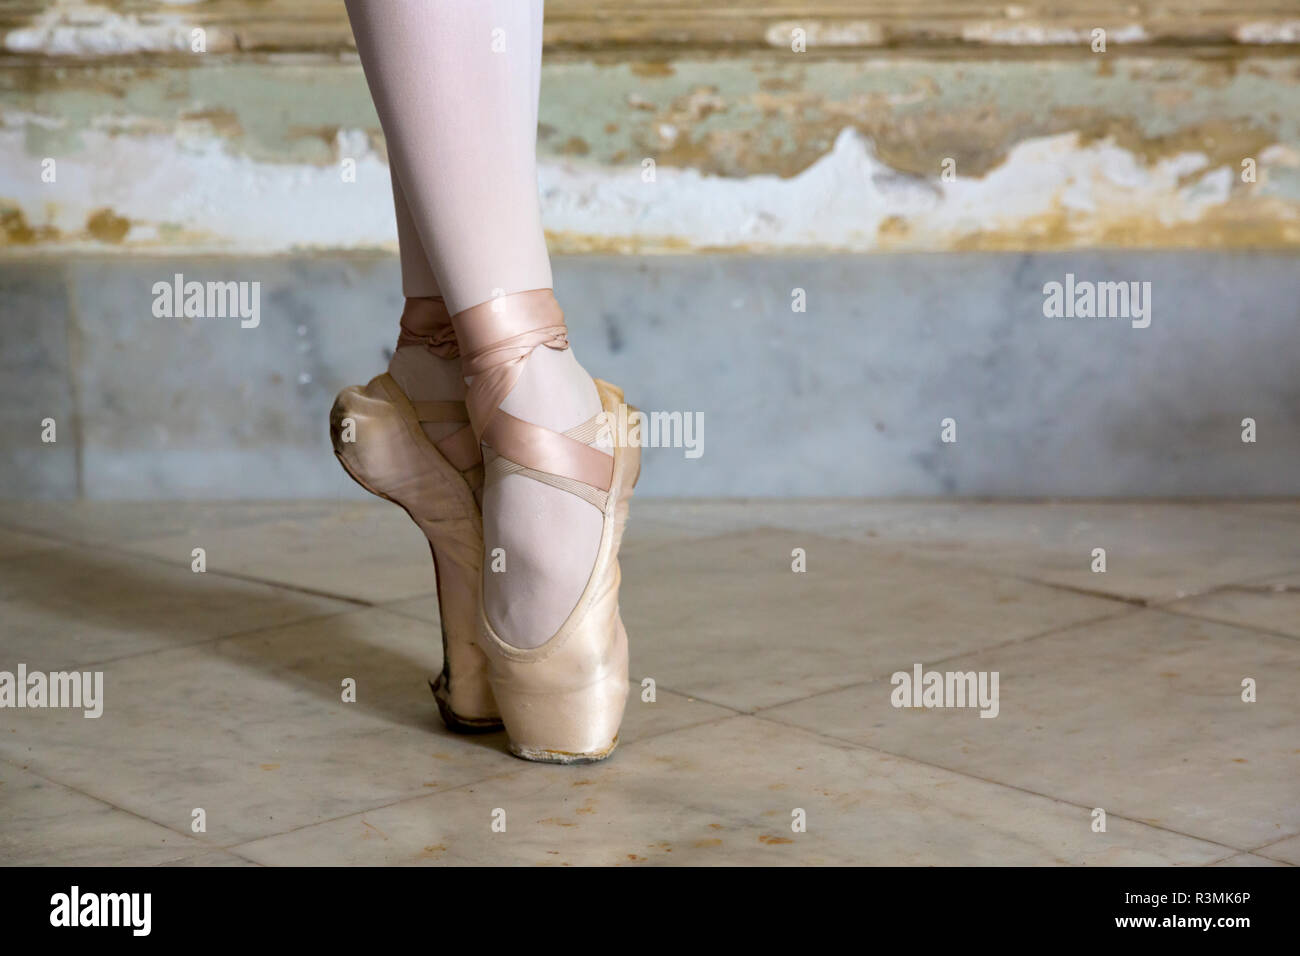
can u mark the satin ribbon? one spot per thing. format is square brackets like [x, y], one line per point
[426, 321]
[496, 338]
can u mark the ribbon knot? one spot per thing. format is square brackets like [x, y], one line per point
[425, 321]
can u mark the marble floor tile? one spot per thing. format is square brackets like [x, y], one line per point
[1283, 851]
[727, 792]
[1139, 715]
[424, 608]
[1247, 859]
[234, 729]
[727, 620]
[354, 550]
[18, 543]
[644, 533]
[119, 522]
[81, 604]
[688, 518]
[1272, 604]
[393, 657]
[1156, 551]
[254, 730]
[46, 824]
[223, 690]
[212, 858]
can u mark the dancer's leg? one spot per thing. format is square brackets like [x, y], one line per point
[456, 83]
[425, 363]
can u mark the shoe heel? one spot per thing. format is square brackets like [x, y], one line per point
[569, 726]
[392, 459]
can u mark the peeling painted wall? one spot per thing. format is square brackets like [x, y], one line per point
[762, 150]
[162, 156]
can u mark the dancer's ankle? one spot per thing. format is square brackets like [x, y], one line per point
[426, 363]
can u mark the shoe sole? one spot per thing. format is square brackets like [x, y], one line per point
[536, 755]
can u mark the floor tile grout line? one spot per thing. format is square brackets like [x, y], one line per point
[295, 588]
[1288, 571]
[318, 618]
[7, 524]
[1020, 640]
[53, 546]
[385, 606]
[1075, 589]
[231, 847]
[761, 711]
[1158, 603]
[41, 536]
[28, 553]
[357, 603]
[100, 800]
[1270, 843]
[195, 856]
[1223, 588]
[732, 713]
[469, 783]
[1187, 615]
[1137, 604]
[696, 698]
[1224, 859]
[919, 553]
[1256, 589]
[214, 639]
[123, 551]
[1050, 632]
[414, 796]
[410, 615]
[1152, 602]
[999, 783]
[239, 635]
[234, 848]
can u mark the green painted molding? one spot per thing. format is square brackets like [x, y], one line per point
[114, 28]
[937, 125]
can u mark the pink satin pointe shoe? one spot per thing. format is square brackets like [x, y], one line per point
[435, 483]
[562, 702]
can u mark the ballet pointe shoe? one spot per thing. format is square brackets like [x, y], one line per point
[563, 701]
[377, 438]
